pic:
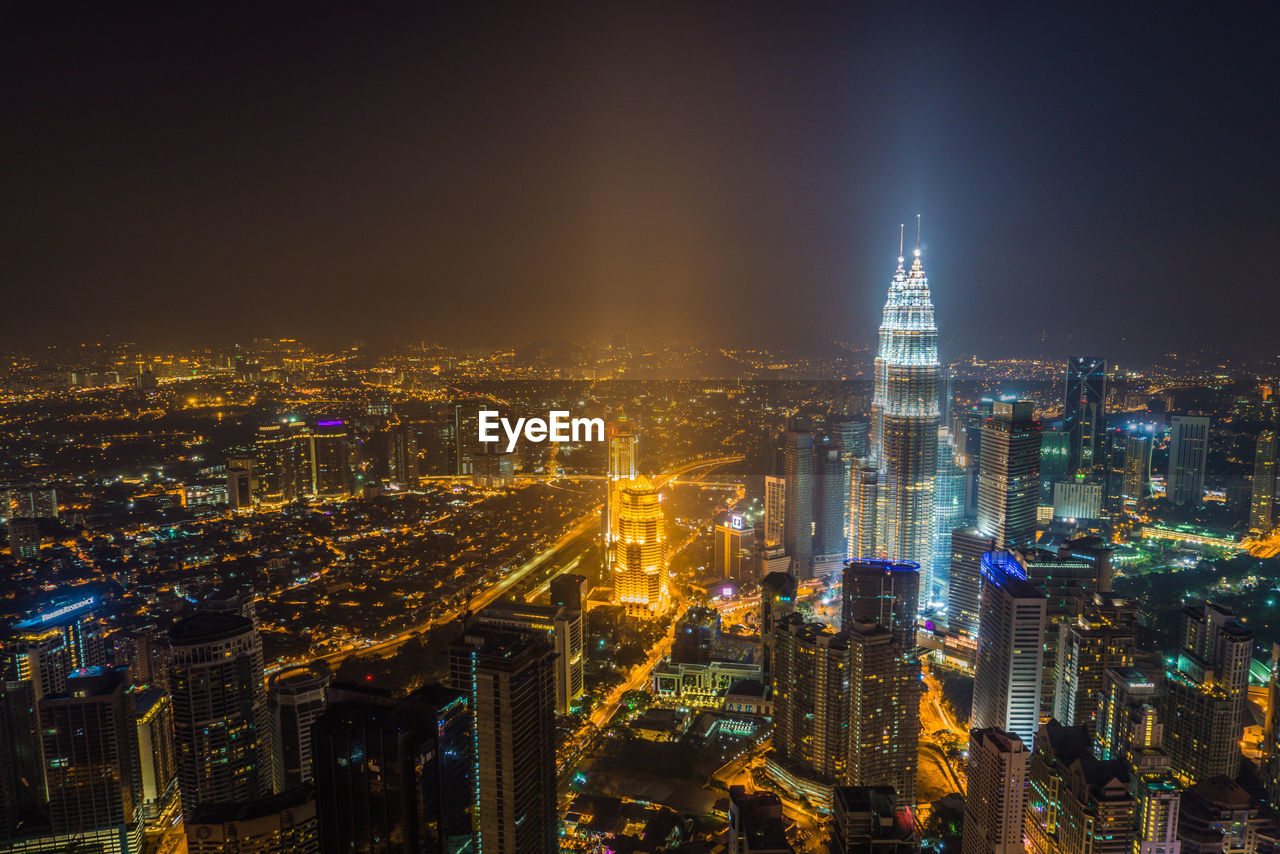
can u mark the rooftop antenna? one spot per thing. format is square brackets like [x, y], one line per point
[917, 235]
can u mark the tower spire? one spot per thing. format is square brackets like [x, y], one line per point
[917, 235]
[901, 229]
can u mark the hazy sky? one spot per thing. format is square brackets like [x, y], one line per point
[489, 172]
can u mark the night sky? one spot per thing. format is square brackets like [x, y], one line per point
[486, 173]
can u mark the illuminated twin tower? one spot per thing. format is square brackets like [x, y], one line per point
[904, 428]
[634, 534]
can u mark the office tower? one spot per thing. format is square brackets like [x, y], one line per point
[24, 539]
[964, 593]
[220, 718]
[775, 513]
[734, 547]
[1218, 817]
[797, 531]
[1076, 802]
[1138, 445]
[1102, 637]
[395, 775]
[831, 511]
[640, 550]
[297, 699]
[967, 426]
[1055, 460]
[156, 756]
[620, 471]
[63, 635]
[863, 503]
[1188, 455]
[239, 487]
[777, 601]
[330, 460]
[1205, 693]
[1009, 475]
[89, 740]
[1083, 417]
[569, 591]
[695, 636]
[402, 456]
[883, 711]
[997, 793]
[811, 694]
[755, 822]
[884, 592]
[905, 423]
[1262, 503]
[562, 629]
[22, 790]
[278, 823]
[948, 508]
[510, 678]
[1011, 631]
[871, 818]
[281, 462]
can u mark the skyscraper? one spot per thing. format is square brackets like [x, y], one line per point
[157, 763]
[1205, 693]
[775, 509]
[1083, 417]
[640, 550]
[883, 714]
[948, 513]
[884, 592]
[1055, 457]
[798, 529]
[777, 601]
[562, 628]
[811, 691]
[1262, 503]
[510, 678]
[220, 717]
[964, 593]
[863, 501]
[394, 775]
[620, 470]
[1102, 637]
[1006, 684]
[905, 422]
[1009, 475]
[90, 745]
[330, 460]
[1188, 456]
[1137, 464]
[997, 793]
[297, 699]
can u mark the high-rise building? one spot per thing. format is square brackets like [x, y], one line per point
[330, 460]
[157, 762]
[510, 678]
[562, 628]
[395, 775]
[1188, 457]
[863, 503]
[1262, 515]
[1078, 499]
[297, 700]
[89, 740]
[797, 532]
[22, 791]
[1083, 418]
[1076, 802]
[281, 462]
[811, 690]
[620, 471]
[734, 547]
[884, 592]
[755, 823]
[964, 593]
[220, 717]
[1102, 637]
[640, 550]
[24, 539]
[1205, 694]
[1218, 817]
[402, 456]
[695, 636]
[905, 423]
[1055, 460]
[883, 712]
[948, 512]
[871, 818]
[831, 505]
[568, 591]
[64, 635]
[996, 796]
[1011, 631]
[1138, 444]
[1009, 475]
[775, 509]
[777, 601]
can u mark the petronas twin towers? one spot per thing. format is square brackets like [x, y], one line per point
[904, 424]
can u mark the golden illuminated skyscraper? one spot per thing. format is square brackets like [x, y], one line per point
[640, 550]
[621, 471]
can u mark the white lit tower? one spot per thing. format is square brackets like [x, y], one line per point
[905, 414]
